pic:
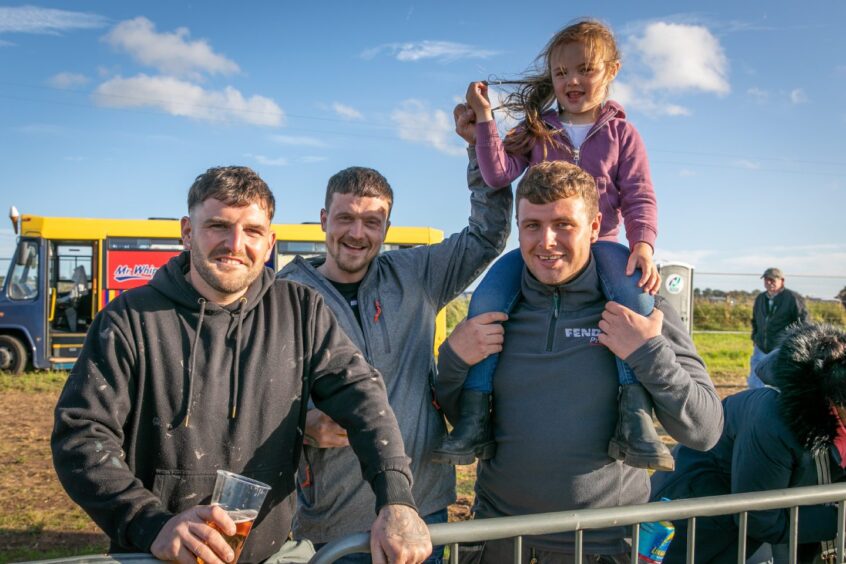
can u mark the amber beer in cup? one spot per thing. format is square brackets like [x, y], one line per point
[241, 498]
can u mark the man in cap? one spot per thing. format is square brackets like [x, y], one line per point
[774, 311]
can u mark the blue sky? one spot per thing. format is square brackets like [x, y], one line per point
[110, 109]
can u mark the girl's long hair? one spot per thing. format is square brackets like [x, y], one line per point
[535, 94]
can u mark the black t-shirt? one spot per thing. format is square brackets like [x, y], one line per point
[349, 291]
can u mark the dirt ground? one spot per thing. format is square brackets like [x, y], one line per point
[39, 520]
[38, 517]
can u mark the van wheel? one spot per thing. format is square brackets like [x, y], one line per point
[12, 355]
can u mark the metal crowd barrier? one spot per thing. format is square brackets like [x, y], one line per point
[452, 534]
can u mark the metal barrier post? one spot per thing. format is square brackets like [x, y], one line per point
[691, 540]
[741, 536]
[841, 530]
[635, 541]
[793, 545]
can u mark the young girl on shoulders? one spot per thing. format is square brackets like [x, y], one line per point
[567, 116]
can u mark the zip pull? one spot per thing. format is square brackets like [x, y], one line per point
[576, 152]
[378, 311]
[556, 303]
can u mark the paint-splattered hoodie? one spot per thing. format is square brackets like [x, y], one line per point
[170, 388]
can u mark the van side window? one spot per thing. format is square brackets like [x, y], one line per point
[23, 280]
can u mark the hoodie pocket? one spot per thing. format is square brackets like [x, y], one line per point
[180, 490]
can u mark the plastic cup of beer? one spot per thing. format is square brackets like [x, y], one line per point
[241, 498]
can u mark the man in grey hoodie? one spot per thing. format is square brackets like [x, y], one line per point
[387, 304]
[555, 388]
[209, 367]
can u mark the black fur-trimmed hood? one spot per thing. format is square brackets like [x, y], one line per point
[810, 371]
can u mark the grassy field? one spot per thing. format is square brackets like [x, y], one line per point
[725, 354]
[40, 522]
[738, 317]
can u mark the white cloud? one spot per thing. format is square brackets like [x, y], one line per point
[268, 161]
[170, 53]
[445, 51]
[283, 161]
[747, 164]
[760, 95]
[665, 59]
[181, 98]
[683, 57]
[798, 96]
[32, 19]
[641, 99]
[686, 173]
[347, 112]
[296, 140]
[66, 80]
[417, 123]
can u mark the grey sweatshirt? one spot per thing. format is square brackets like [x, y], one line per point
[398, 299]
[555, 408]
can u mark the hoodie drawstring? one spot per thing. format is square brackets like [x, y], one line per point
[192, 364]
[236, 377]
[233, 400]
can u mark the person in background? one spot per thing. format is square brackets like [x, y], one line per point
[773, 312]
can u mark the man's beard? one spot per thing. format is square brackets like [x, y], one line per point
[225, 284]
[350, 265]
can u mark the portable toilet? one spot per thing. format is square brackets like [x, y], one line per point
[677, 288]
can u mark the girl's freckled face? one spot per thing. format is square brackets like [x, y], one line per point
[580, 82]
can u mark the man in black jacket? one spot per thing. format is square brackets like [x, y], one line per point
[772, 440]
[774, 311]
[209, 367]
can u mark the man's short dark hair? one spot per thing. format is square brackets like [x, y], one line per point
[237, 186]
[361, 182]
[550, 181]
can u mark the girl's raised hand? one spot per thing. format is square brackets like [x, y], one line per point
[641, 258]
[477, 99]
